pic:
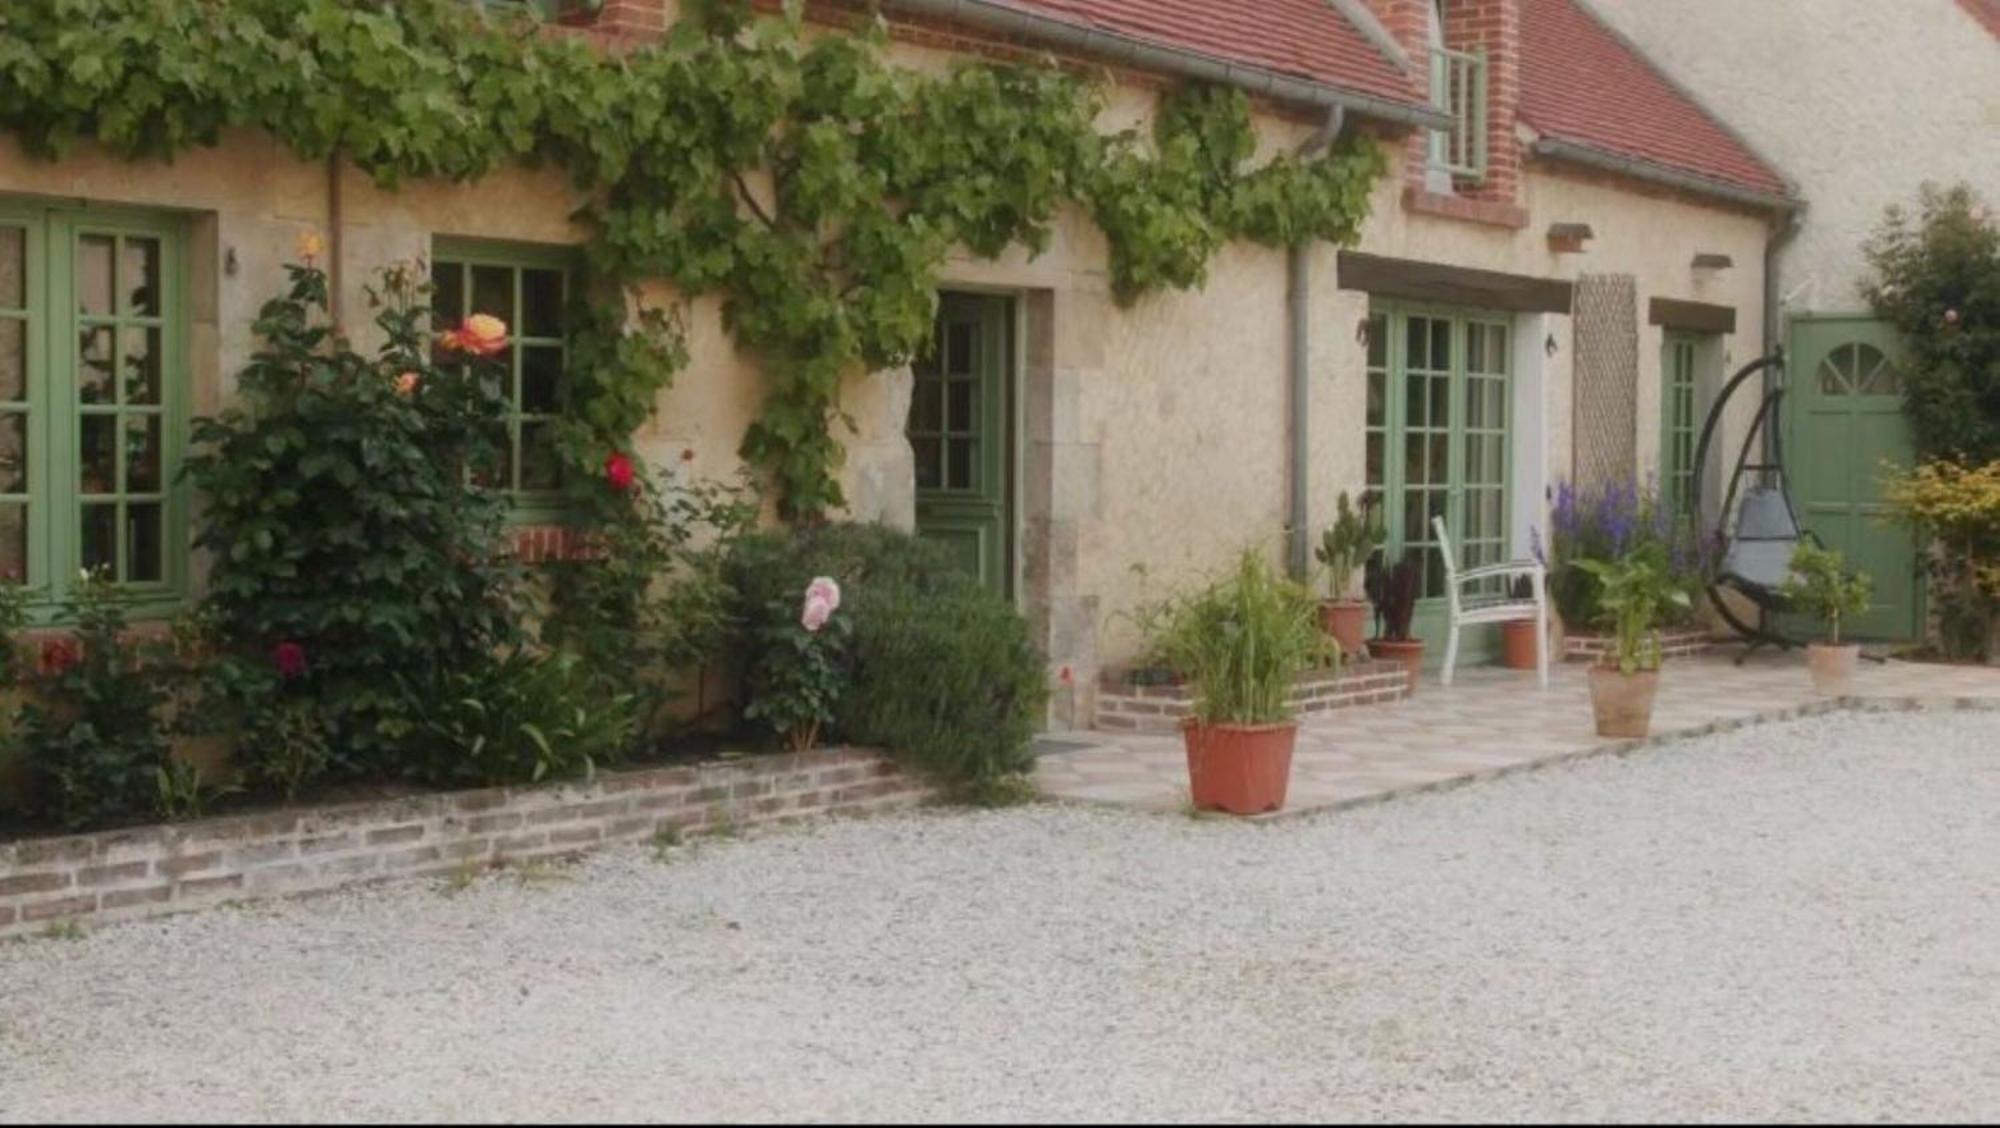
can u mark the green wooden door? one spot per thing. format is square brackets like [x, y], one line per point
[1439, 427]
[1844, 426]
[959, 434]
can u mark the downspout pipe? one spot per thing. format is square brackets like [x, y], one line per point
[1298, 323]
[1783, 232]
[1139, 54]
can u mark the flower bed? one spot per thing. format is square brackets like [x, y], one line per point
[1130, 705]
[151, 870]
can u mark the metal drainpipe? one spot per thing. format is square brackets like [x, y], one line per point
[1298, 316]
[1787, 229]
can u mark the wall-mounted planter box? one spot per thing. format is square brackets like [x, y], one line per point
[151, 870]
[1131, 703]
[1678, 643]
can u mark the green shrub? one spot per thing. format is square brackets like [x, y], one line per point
[1937, 280]
[92, 733]
[949, 683]
[799, 673]
[524, 716]
[936, 670]
[1241, 641]
[343, 515]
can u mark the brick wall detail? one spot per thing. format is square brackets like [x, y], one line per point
[152, 870]
[1124, 707]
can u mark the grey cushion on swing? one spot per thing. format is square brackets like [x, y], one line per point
[1760, 555]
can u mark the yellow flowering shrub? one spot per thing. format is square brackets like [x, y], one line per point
[1957, 509]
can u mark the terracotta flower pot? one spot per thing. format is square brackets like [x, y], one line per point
[1410, 653]
[1623, 702]
[1241, 769]
[1347, 621]
[1517, 644]
[1833, 667]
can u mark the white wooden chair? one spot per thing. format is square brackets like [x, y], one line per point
[1473, 607]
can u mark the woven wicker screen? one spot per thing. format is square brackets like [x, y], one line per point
[1606, 431]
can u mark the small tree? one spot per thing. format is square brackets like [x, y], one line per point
[1821, 586]
[1637, 592]
[1937, 280]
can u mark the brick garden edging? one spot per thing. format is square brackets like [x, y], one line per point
[1125, 707]
[152, 870]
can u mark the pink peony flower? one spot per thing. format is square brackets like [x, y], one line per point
[406, 384]
[1951, 317]
[822, 600]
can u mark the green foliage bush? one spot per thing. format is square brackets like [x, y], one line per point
[1937, 280]
[92, 732]
[523, 717]
[1636, 593]
[936, 670]
[344, 516]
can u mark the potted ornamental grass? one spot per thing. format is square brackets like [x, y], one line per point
[1239, 644]
[1353, 537]
[1636, 593]
[1394, 592]
[1820, 586]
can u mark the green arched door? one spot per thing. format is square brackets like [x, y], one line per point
[1845, 429]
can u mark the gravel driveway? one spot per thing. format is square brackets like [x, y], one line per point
[1792, 922]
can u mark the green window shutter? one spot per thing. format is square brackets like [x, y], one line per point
[93, 400]
[528, 287]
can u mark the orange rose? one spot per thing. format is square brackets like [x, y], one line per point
[406, 384]
[310, 247]
[482, 335]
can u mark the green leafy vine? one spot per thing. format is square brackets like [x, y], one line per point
[810, 182]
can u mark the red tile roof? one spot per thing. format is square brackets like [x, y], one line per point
[1582, 83]
[1985, 11]
[1307, 39]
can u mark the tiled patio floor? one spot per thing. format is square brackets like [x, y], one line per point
[1491, 721]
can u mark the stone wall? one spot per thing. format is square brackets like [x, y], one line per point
[148, 871]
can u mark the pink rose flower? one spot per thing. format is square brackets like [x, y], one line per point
[406, 384]
[822, 600]
[290, 659]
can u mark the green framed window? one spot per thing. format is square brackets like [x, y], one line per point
[92, 399]
[529, 288]
[1439, 432]
[1679, 397]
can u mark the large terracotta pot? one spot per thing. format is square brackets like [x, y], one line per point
[1241, 769]
[1347, 621]
[1833, 667]
[1623, 702]
[1517, 644]
[1410, 653]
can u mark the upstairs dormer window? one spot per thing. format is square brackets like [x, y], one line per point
[1458, 88]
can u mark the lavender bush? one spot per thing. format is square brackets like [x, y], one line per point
[1611, 523]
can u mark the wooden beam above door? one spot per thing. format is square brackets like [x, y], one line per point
[1440, 284]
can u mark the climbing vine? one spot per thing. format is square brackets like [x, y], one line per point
[811, 183]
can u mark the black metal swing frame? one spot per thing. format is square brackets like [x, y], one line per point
[1767, 598]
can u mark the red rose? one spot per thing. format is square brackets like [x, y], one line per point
[59, 655]
[290, 658]
[618, 471]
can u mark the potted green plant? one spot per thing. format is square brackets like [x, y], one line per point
[1821, 587]
[1635, 593]
[1239, 644]
[1394, 592]
[1354, 536]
